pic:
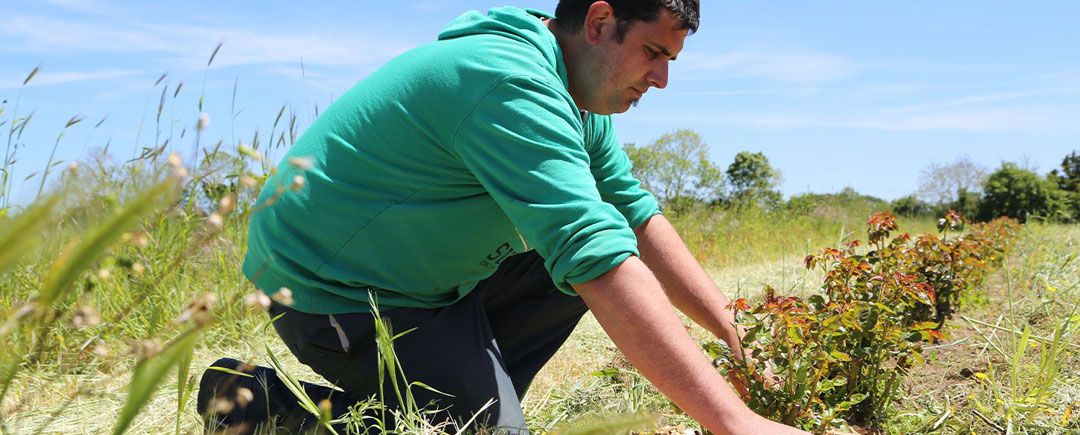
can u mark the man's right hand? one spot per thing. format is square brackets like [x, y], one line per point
[629, 304]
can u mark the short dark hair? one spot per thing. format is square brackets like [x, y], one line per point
[570, 14]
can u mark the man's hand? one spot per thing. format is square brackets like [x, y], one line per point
[628, 303]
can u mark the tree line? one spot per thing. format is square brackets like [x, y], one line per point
[677, 169]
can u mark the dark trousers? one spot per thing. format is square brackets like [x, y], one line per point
[487, 346]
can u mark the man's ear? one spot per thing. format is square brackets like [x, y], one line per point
[599, 22]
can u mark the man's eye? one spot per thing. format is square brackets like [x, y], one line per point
[653, 54]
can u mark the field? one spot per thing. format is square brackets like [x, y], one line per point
[118, 309]
[120, 283]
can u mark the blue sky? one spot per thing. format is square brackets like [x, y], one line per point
[835, 93]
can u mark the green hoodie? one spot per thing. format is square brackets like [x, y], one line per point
[440, 165]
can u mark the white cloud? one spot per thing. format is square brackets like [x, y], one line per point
[783, 67]
[190, 45]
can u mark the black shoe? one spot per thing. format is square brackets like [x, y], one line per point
[255, 400]
[232, 403]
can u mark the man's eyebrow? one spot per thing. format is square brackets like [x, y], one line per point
[663, 50]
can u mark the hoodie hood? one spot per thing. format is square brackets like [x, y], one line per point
[522, 25]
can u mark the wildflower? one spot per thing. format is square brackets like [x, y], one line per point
[138, 268]
[104, 273]
[302, 163]
[297, 183]
[175, 161]
[257, 300]
[247, 181]
[73, 166]
[283, 296]
[204, 120]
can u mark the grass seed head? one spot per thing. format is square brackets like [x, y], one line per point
[227, 204]
[24, 310]
[302, 163]
[204, 121]
[85, 316]
[147, 348]
[297, 183]
[101, 351]
[223, 405]
[198, 310]
[215, 220]
[137, 238]
[283, 296]
[244, 396]
[257, 300]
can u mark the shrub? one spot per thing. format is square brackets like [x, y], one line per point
[840, 356]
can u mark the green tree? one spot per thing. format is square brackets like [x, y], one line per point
[754, 181]
[1020, 193]
[967, 203]
[676, 168]
[911, 205]
[1068, 180]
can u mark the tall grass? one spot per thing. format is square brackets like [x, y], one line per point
[112, 292]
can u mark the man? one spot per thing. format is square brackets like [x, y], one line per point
[475, 188]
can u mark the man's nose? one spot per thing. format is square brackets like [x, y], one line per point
[658, 76]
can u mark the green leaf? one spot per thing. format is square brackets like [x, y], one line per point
[148, 376]
[840, 356]
[922, 326]
[297, 389]
[231, 371]
[610, 372]
[751, 334]
[793, 335]
[23, 231]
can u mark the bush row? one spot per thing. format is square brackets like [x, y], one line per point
[837, 358]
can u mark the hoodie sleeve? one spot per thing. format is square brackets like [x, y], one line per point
[523, 141]
[611, 168]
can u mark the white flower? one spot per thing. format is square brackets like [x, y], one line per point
[204, 120]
